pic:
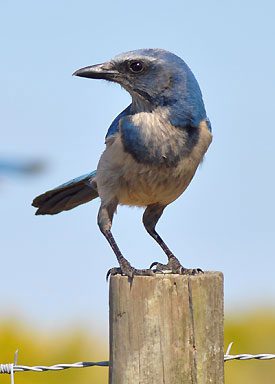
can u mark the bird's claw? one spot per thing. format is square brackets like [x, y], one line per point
[129, 271]
[112, 272]
[174, 267]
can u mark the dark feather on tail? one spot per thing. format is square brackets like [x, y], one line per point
[67, 196]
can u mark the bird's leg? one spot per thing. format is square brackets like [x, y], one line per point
[150, 218]
[105, 218]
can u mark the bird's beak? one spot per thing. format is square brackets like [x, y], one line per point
[104, 71]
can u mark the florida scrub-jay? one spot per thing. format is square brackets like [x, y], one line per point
[153, 148]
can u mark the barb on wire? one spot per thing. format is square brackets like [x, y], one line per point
[247, 356]
[9, 368]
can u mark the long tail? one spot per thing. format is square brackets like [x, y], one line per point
[67, 196]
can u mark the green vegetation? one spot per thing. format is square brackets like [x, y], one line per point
[63, 346]
[250, 332]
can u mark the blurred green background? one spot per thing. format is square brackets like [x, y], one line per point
[64, 345]
[251, 332]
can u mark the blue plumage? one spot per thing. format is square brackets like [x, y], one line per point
[114, 127]
[153, 147]
[165, 149]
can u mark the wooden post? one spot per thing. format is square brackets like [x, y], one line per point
[166, 329]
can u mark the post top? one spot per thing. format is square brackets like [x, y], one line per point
[200, 276]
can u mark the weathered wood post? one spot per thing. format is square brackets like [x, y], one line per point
[166, 329]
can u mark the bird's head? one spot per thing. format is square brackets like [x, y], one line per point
[154, 78]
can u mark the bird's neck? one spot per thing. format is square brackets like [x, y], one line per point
[179, 114]
[185, 111]
[140, 104]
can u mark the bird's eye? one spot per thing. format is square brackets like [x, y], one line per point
[136, 66]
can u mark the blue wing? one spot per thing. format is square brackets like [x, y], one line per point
[114, 127]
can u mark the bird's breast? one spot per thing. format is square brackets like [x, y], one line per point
[151, 139]
[120, 175]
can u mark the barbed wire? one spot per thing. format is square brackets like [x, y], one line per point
[7, 368]
[14, 367]
[246, 356]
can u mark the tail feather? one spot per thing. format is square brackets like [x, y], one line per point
[67, 196]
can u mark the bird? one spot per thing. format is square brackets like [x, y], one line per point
[153, 149]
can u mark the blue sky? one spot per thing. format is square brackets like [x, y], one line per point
[53, 268]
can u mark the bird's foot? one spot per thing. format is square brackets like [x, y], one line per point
[128, 270]
[175, 267]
